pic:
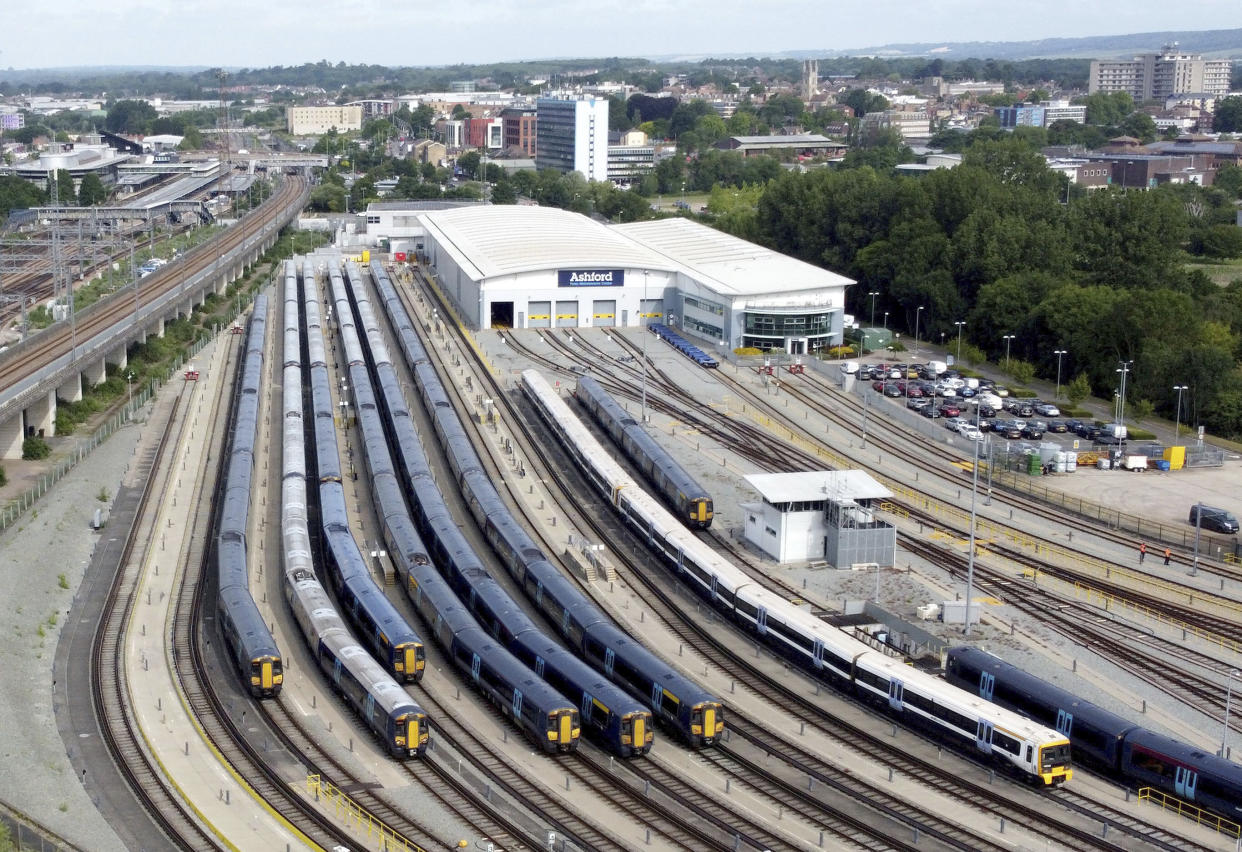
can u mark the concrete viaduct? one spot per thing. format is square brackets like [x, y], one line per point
[46, 372]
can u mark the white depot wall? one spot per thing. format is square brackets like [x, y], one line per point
[537, 296]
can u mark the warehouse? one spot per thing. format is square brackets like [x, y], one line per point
[539, 267]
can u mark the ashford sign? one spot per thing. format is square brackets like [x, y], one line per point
[590, 277]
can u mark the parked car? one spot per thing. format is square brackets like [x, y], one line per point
[917, 403]
[878, 385]
[1058, 426]
[1211, 518]
[954, 424]
[1008, 430]
[930, 411]
[950, 409]
[1047, 409]
[966, 391]
[1000, 390]
[1024, 410]
[971, 432]
[1041, 425]
[1031, 432]
[1074, 425]
[892, 389]
[865, 374]
[986, 410]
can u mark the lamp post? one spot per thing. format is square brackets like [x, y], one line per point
[1228, 696]
[1124, 369]
[643, 318]
[959, 325]
[873, 294]
[970, 562]
[886, 320]
[1008, 338]
[916, 329]
[129, 390]
[1059, 353]
[1177, 422]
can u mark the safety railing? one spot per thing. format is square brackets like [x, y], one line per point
[353, 815]
[1191, 812]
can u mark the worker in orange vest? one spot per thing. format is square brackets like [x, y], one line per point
[1142, 552]
[1167, 554]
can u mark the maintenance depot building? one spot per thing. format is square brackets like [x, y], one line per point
[538, 267]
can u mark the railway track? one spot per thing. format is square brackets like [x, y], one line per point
[21, 362]
[766, 453]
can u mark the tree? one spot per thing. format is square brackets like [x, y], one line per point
[130, 117]
[1223, 241]
[1107, 108]
[1078, 389]
[66, 194]
[91, 191]
[1228, 116]
[330, 198]
[469, 163]
[18, 194]
[460, 113]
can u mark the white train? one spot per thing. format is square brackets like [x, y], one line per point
[385, 707]
[1039, 754]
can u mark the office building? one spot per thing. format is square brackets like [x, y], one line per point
[572, 136]
[1155, 76]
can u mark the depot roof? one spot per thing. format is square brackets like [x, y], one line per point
[807, 486]
[491, 241]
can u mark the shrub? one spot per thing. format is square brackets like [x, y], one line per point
[1078, 389]
[35, 448]
[4, 477]
[1021, 371]
[1133, 433]
[973, 355]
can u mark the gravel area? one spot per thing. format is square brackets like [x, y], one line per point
[42, 560]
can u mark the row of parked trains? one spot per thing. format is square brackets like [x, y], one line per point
[367, 674]
[618, 686]
[548, 692]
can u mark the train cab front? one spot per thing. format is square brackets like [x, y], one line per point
[1054, 763]
[564, 728]
[409, 661]
[266, 676]
[637, 734]
[706, 723]
[701, 512]
[410, 734]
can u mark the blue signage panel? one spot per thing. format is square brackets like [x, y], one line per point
[590, 277]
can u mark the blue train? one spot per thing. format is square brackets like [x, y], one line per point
[378, 624]
[247, 638]
[1111, 743]
[366, 686]
[685, 347]
[690, 501]
[538, 709]
[677, 702]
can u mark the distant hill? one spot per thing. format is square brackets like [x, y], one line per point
[1211, 43]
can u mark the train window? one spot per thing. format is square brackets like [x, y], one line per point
[1006, 742]
[1152, 762]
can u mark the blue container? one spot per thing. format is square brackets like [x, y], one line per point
[1162, 464]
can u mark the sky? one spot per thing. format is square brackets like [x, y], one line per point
[245, 33]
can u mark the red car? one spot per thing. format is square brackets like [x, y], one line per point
[950, 410]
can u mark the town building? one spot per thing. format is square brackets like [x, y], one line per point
[1019, 115]
[90, 156]
[1055, 111]
[572, 135]
[484, 133]
[317, 120]
[630, 157]
[519, 129]
[910, 124]
[1155, 76]
[799, 145]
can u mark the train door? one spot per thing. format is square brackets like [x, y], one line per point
[657, 698]
[588, 704]
[983, 736]
[539, 666]
[266, 679]
[987, 685]
[368, 707]
[610, 660]
[336, 672]
[817, 653]
[896, 692]
[517, 704]
[715, 584]
[1065, 722]
[1184, 783]
[567, 728]
[761, 622]
[475, 665]
[681, 561]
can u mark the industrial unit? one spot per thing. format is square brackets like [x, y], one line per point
[539, 267]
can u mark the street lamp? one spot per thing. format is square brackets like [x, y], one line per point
[643, 318]
[873, 294]
[916, 329]
[1123, 368]
[1177, 422]
[959, 325]
[129, 389]
[1228, 696]
[1059, 353]
[1008, 338]
[974, 493]
[886, 320]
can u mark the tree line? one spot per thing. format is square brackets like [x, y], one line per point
[1001, 244]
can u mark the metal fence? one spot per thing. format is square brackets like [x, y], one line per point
[28, 836]
[16, 507]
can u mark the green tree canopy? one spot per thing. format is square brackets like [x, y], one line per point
[130, 116]
[91, 191]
